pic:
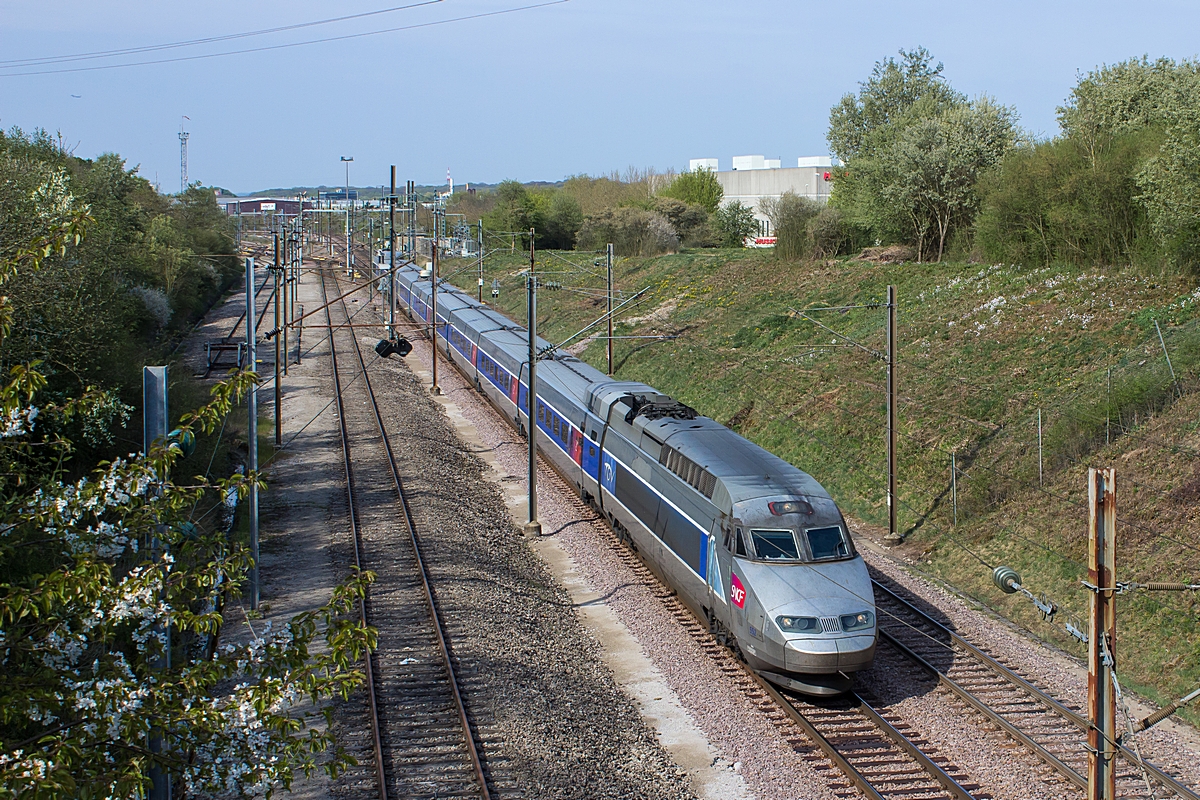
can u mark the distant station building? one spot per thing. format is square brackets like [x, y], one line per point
[246, 206]
[754, 178]
[333, 197]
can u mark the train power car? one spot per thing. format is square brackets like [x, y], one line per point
[751, 543]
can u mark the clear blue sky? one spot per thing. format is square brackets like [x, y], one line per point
[587, 86]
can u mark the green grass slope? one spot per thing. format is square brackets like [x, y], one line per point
[982, 348]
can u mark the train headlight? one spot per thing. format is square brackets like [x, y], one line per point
[798, 624]
[857, 622]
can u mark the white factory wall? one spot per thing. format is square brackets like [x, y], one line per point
[750, 185]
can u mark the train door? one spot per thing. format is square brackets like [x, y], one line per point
[718, 573]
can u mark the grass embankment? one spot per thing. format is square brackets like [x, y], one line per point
[981, 350]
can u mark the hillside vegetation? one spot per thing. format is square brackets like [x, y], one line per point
[981, 349]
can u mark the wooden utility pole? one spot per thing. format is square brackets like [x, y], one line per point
[893, 537]
[1102, 634]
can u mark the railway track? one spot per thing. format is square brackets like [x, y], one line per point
[422, 739]
[876, 754]
[1051, 729]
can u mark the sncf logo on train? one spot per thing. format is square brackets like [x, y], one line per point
[737, 591]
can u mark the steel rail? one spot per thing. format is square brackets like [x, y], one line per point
[930, 766]
[817, 738]
[1051, 703]
[410, 524]
[377, 744]
[983, 708]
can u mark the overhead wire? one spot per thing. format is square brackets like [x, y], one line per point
[268, 48]
[62, 59]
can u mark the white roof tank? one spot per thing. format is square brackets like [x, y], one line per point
[748, 162]
[702, 163]
[814, 161]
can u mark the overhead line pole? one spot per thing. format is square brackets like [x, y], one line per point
[893, 537]
[391, 327]
[609, 260]
[1102, 634]
[433, 293]
[278, 383]
[252, 430]
[533, 527]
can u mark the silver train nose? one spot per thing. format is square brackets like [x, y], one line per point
[830, 654]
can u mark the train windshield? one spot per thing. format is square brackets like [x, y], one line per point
[825, 543]
[774, 545]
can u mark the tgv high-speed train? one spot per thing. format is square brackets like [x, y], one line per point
[752, 544]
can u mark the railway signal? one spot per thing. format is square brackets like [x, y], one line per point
[390, 347]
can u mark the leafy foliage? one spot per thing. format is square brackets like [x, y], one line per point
[632, 231]
[735, 222]
[790, 215]
[146, 269]
[698, 188]
[111, 595]
[914, 151]
[1118, 186]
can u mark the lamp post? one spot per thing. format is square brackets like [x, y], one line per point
[349, 255]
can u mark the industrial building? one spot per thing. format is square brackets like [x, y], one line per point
[244, 206]
[754, 178]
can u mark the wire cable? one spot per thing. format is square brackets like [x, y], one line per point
[62, 59]
[268, 48]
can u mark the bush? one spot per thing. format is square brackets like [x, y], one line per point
[789, 215]
[734, 222]
[691, 222]
[632, 231]
[1053, 203]
[828, 235]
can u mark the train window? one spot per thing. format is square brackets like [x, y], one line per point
[556, 426]
[566, 434]
[775, 544]
[541, 413]
[741, 545]
[827, 542]
[591, 450]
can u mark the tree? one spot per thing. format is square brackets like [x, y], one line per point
[561, 223]
[690, 222]
[895, 92]
[735, 222]
[1170, 190]
[930, 173]
[914, 151]
[1125, 98]
[86, 598]
[698, 188]
[632, 231]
